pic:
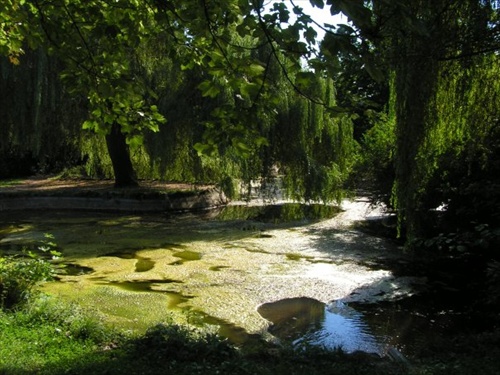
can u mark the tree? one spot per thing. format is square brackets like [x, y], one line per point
[425, 36]
[415, 40]
[97, 41]
[93, 39]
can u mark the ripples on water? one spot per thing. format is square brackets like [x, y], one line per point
[306, 322]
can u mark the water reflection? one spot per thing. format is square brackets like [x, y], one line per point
[306, 321]
[278, 213]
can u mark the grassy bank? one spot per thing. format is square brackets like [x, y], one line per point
[49, 337]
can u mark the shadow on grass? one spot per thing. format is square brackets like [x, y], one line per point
[176, 350]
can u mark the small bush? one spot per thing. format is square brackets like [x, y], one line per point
[21, 274]
[185, 344]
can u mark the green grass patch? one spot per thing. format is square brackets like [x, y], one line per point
[51, 337]
[48, 337]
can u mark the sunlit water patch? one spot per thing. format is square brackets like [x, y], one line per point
[308, 322]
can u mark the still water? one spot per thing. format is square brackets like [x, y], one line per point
[269, 271]
[306, 321]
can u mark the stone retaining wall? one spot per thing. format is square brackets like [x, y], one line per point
[185, 201]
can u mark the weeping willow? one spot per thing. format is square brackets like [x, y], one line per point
[38, 119]
[311, 147]
[462, 116]
[439, 91]
[314, 148]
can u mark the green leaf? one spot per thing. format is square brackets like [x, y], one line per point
[317, 3]
[261, 141]
[255, 69]
[90, 125]
[242, 149]
[356, 12]
[283, 13]
[310, 35]
[109, 118]
[122, 120]
[208, 88]
[249, 90]
[97, 112]
[135, 141]
[205, 149]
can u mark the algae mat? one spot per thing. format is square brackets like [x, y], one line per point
[138, 270]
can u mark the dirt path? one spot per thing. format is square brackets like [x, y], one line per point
[47, 184]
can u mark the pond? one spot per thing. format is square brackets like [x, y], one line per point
[285, 272]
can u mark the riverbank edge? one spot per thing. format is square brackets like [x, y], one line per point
[100, 196]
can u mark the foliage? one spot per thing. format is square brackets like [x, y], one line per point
[220, 84]
[458, 158]
[179, 343]
[375, 168]
[245, 66]
[20, 275]
[40, 123]
[427, 123]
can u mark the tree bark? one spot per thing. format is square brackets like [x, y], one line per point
[120, 158]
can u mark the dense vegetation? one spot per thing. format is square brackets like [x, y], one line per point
[402, 102]
[219, 93]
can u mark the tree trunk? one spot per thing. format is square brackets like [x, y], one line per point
[415, 86]
[120, 158]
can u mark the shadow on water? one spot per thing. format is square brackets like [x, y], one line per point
[236, 335]
[148, 286]
[187, 255]
[141, 286]
[72, 269]
[352, 245]
[141, 265]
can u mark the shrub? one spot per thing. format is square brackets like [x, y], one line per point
[21, 274]
[184, 344]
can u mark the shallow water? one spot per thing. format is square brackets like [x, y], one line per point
[306, 321]
[232, 271]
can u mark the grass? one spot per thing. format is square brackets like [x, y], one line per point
[51, 337]
[47, 337]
